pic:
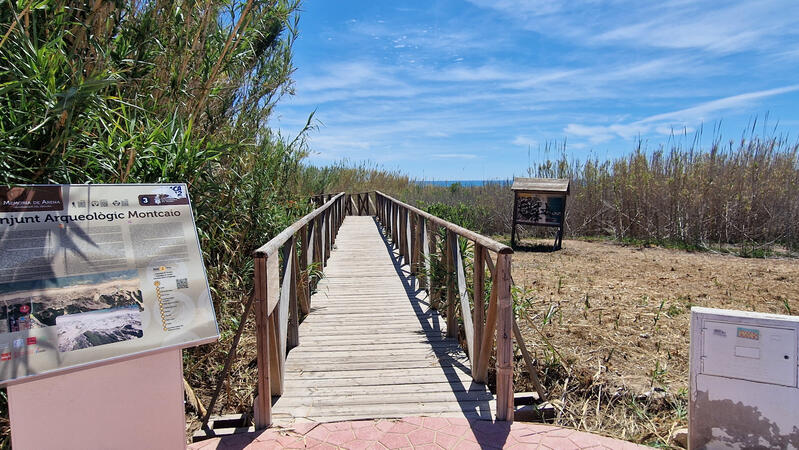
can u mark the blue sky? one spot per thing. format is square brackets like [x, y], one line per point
[446, 89]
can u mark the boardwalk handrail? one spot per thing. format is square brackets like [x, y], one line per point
[413, 232]
[276, 331]
[277, 242]
[486, 242]
[281, 293]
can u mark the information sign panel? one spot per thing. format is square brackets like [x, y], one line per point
[540, 209]
[90, 273]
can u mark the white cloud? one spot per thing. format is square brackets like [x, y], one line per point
[525, 141]
[701, 111]
[720, 27]
[674, 122]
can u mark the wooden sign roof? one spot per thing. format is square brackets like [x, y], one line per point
[555, 185]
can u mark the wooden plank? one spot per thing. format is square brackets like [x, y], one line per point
[481, 369]
[452, 322]
[293, 333]
[365, 346]
[326, 217]
[408, 240]
[463, 295]
[272, 283]
[392, 363]
[275, 361]
[433, 289]
[429, 380]
[478, 287]
[417, 386]
[285, 299]
[392, 398]
[304, 293]
[392, 372]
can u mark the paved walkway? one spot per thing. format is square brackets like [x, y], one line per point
[416, 433]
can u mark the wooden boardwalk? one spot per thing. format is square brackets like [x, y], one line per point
[372, 347]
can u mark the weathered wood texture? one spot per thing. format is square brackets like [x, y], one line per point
[371, 346]
[478, 336]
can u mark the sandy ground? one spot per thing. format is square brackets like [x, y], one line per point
[619, 315]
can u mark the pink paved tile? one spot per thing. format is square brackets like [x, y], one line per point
[421, 437]
[370, 433]
[341, 437]
[446, 440]
[384, 425]
[395, 440]
[403, 427]
[416, 433]
[435, 423]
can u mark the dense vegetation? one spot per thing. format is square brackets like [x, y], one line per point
[159, 91]
[740, 193]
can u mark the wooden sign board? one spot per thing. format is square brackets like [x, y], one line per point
[539, 202]
[97, 273]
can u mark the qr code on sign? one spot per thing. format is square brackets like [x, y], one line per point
[183, 283]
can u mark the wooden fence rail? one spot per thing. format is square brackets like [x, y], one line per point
[278, 303]
[282, 291]
[414, 232]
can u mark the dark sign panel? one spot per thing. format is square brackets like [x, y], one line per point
[540, 209]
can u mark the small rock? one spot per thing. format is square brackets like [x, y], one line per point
[655, 393]
[644, 336]
[680, 437]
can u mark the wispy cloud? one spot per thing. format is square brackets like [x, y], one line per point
[701, 111]
[680, 121]
[706, 25]
[524, 141]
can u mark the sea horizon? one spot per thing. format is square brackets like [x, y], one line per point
[467, 183]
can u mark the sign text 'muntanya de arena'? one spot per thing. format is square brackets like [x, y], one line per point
[90, 273]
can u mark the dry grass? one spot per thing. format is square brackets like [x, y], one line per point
[618, 320]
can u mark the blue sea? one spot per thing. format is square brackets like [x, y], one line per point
[468, 183]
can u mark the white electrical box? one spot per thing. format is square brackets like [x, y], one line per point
[744, 380]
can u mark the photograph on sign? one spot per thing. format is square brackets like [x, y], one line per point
[95, 272]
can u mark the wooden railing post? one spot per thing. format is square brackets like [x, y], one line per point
[452, 322]
[404, 235]
[480, 374]
[263, 401]
[328, 235]
[408, 230]
[393, 220]
[317, 246]
[504, 338]
[293, 336]
[304, 291]
[425, 254]
[412, 257]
